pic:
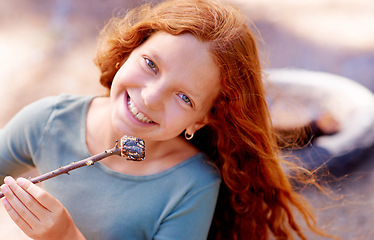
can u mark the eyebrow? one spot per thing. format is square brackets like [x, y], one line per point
[153, 53]
[157, 57]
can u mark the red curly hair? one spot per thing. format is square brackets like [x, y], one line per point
[256, 198]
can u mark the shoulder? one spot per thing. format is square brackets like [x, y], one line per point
[45, 106]
[33, 118]
[35, 113]
[61, 102]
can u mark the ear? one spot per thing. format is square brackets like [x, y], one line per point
[196, 126]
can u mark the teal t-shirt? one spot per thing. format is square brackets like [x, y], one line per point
[175, 204]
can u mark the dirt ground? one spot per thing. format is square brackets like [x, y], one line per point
[47, 47]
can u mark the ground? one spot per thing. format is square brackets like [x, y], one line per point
[48, 47]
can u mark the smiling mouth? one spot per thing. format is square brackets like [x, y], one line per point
[136, 113]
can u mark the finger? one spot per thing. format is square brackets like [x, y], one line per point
[44, 198]
[17, 219]
[22, 202]
[27, 199]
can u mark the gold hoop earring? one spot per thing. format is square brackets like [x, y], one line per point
[117, 65]
[188, 136]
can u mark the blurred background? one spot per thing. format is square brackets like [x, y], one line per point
[48, 47]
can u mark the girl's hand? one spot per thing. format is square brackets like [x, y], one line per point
[37, 213]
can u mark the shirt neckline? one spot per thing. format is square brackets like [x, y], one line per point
[168, 171]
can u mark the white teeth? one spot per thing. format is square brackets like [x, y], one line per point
[139, 116]
[135, 112]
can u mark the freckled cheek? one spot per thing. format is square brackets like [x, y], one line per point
[130, 79]
[175, 117]
[119, 86]
[119, 80]
[116, 81]
[183, 120]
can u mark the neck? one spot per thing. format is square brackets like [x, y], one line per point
[99, 134]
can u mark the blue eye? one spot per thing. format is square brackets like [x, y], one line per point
[185, 99]
[151, 64]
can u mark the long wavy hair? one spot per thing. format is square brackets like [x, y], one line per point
[256, 199]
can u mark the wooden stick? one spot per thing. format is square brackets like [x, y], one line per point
[74, 165]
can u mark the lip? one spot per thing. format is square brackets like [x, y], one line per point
[131, 116]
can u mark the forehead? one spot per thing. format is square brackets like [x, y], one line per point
[170, 45]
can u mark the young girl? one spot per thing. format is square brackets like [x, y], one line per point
[185, 77]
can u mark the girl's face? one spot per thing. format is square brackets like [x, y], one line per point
[167, 84]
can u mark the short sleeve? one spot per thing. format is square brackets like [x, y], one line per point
[20, 137]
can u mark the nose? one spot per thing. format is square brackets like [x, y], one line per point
[154, 95]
